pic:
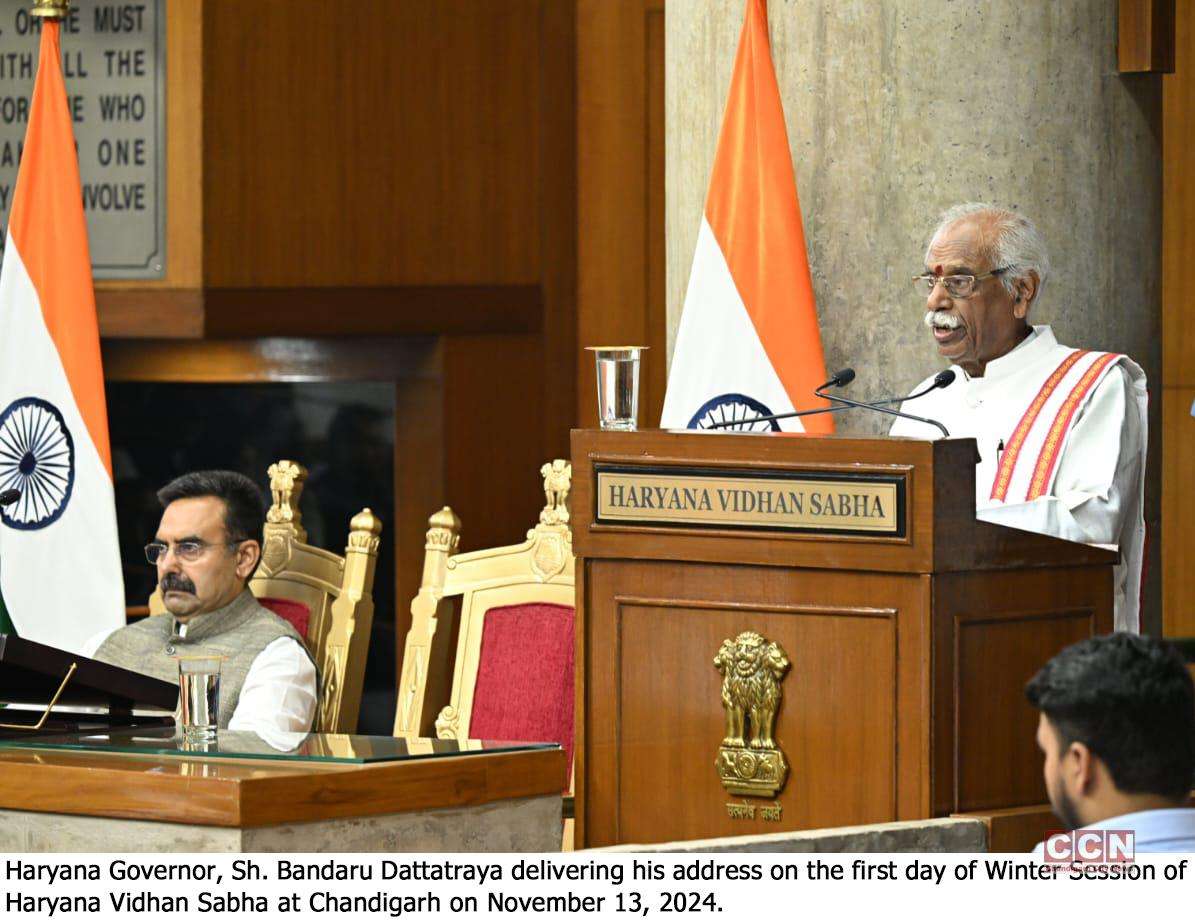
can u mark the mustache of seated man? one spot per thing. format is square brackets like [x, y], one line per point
[172, 581]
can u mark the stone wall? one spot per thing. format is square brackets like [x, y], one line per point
[511, 826]
[897, 109]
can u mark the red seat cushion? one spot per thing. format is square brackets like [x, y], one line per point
[525, 677]
[296, 613]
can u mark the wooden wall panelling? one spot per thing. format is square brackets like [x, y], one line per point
[419, 485]
[1146, 36]
[396, 310]
[399, 310]
[1178, 333]
[509, 399]
[620, 192]
[427, 152]
[1178, 489]
[494, 436]
[395, 144]
[392, 158]
[170, 306]
[558, 227]
[1178, 208]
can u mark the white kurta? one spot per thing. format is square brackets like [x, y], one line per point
[1097, 495]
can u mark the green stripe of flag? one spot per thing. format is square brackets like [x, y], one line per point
[6, 627]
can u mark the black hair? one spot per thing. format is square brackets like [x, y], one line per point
[244, 506]
[1130, 700]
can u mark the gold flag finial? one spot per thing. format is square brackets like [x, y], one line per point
[51, 9]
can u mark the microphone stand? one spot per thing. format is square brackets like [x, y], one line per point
[878, 408]
[783, 415]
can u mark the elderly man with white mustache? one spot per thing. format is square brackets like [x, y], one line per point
[1061, 431]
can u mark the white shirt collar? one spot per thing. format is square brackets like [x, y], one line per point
[1032, 348]
[1155, 825]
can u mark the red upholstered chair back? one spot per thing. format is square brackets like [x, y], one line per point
[296, 613]
[524, 688]
[508, 676]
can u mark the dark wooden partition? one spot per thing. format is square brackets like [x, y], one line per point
[1177, 389]
[381, 193]
[909, 649]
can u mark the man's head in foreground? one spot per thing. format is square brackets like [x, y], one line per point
[984, 268]
[207, 544]
[1117, 727]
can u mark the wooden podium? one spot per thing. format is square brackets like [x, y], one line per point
[897, 633]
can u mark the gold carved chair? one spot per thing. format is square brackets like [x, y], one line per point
[326, 597]
[490, 650]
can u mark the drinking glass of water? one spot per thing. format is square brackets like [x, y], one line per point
[199, 696]
[618, 385]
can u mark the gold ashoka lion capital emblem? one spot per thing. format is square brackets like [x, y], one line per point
[749, 761]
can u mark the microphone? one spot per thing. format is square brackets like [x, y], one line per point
[841, 379]
[876, 408]
[8, 496]
[941, 381]
[846, 375]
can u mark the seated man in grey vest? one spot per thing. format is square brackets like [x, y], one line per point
[206, 549]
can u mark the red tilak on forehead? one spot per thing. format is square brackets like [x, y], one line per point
[938, 270]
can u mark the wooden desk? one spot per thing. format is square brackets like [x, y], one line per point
[70, 801]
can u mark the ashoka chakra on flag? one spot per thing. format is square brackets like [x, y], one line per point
[735, 412]
[37, 456]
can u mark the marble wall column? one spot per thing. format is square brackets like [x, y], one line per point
[897, 109]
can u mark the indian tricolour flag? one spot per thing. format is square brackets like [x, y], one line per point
[748, 342]
[59, 559]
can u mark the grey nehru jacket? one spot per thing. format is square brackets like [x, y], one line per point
[238, 633]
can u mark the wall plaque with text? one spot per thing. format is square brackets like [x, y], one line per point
[850, 504]
[114, 64]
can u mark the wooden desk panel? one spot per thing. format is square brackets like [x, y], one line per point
[1016, 830]
[992, 632]
[239, 793]
[849, 725]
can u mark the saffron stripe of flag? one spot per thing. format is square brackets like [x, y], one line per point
[748, 340]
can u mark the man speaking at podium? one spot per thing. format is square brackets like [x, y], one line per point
[1061, 431]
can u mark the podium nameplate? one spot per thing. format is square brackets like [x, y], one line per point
[847, 504]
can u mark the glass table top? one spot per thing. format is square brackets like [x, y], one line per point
[357, 749]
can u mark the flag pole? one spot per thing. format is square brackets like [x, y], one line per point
[51, 9]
